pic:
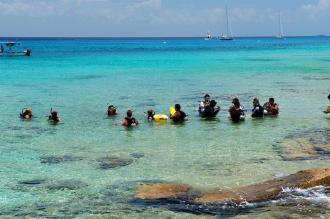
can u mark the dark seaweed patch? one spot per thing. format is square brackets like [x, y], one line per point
[87, 77]
[59, 159]
[67, 185]
[137, 155]
[112, 162]
[317, 78]
[33, 182]
[146, 104]
[262, 60]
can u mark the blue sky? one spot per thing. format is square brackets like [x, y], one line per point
[123, 18]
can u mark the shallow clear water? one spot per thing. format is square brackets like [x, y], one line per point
[79, 77]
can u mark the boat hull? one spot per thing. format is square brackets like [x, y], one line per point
[25, 53]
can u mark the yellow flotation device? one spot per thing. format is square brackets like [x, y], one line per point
[160, 117]
[172, 111]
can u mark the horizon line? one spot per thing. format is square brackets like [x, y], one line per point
[154, 37]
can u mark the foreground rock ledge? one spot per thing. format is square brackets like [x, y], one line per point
[254, 193]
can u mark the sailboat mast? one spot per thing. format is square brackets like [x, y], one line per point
[227, 20]
[280, 34]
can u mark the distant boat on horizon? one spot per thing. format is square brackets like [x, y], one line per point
[8, 49]
[229, 34]
[208, 36]
[280, 27]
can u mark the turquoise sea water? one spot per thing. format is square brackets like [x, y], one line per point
[79, 77]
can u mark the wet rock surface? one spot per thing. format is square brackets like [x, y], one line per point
[311, 144]
[162, 191]
[59, 159]
[182, 198]
[137, 155]
[270, 189]
[66, 185]
[49, 185]
[112, 162]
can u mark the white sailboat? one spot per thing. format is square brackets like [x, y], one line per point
[208, 36]
[228, 35]
[280, 27]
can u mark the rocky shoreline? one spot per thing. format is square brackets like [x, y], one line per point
[167, 193]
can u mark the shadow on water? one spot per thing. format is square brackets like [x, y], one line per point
[86, 77]
[316, 78]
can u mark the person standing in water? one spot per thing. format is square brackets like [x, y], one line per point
[206, 102]
[258, 110]
[208, 108]
[271, 108]
[129, 120]
[53, 117]
[327, 111]
[178, 116]
[150, 115]
[236, 111]
[112, 110]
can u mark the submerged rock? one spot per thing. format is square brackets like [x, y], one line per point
[256, 193]
[312, 144]
[33, 182]
[268, 190]
[59, 159]
[67, 185]
[113, 162]
[161, 191]
[137, 155]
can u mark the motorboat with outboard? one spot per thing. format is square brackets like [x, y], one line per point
[9, 49]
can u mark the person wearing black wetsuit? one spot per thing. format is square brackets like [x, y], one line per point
[236, 111]
[178, 116]
[258, 110]
[129, 120]
[53, 117]
[150, 115]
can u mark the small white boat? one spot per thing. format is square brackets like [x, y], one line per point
[8, 49]
[228, 35]
[208, 36]
[280, 27]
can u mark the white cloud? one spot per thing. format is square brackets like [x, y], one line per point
[153, 4]
[320, 6]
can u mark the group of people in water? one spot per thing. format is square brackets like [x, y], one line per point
[208, 108]
[27, 114]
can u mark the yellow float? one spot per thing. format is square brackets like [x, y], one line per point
[160, 117]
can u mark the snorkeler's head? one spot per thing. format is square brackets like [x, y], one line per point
[129, 113]
[177, 107]
[54, 114]
[207, 97]
[150, 113]
[329, 97]
[271, 100]
[235, 101]
[256, 101]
